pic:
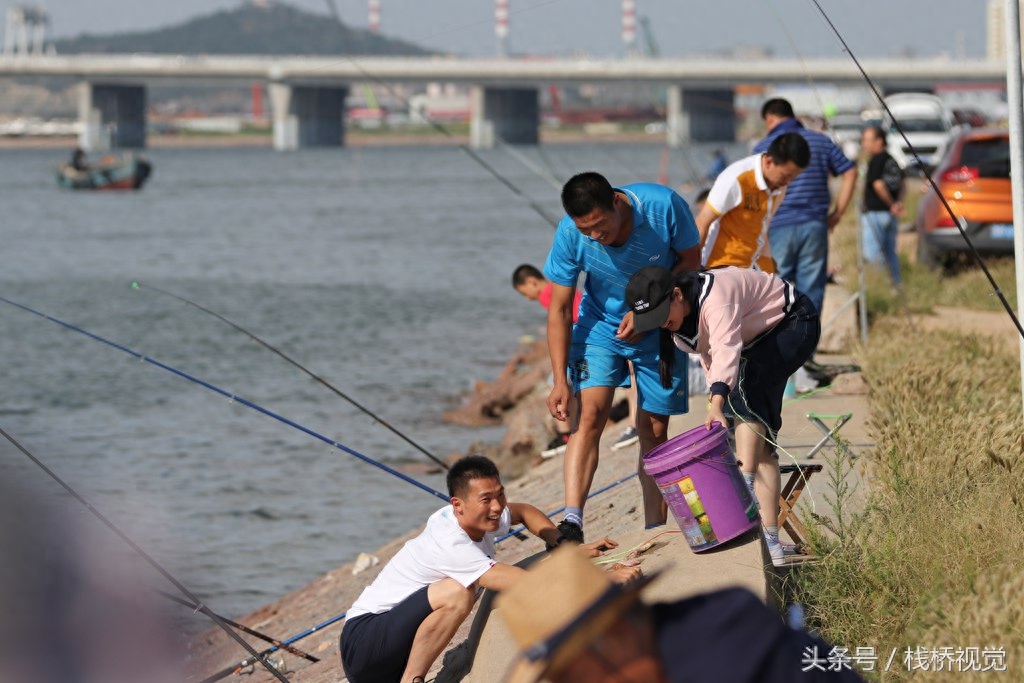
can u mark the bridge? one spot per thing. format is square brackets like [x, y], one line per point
[307, 94]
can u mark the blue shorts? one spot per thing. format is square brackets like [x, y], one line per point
[598, 366]
[375, 647]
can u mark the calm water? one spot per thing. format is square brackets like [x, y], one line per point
[385, 271]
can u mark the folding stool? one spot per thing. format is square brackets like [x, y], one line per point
[829, 438]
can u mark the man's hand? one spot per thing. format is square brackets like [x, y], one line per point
[597, 548]
[625, 331]
[897, 209]
[833, 220]
[624, 575]
[559, 400]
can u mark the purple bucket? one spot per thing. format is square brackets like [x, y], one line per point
[701, 482]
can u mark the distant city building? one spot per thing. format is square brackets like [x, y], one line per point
[26, 30]
[995, 30]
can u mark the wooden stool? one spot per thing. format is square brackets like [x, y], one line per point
[799, 475]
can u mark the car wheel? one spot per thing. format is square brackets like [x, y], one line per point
[927, 255]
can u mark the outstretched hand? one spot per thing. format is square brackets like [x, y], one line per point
[597, 548]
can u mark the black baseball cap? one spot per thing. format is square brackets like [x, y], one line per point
[648, 294]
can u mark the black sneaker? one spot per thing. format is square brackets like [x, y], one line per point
[571, 532]
[557, 446]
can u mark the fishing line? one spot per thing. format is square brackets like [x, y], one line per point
[197, 603]
[901, 295]
[242, 627]
[138, 285]
[927, 174]
[537, 208]
[231, 397]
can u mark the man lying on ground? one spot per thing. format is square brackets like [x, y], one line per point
[404, 619]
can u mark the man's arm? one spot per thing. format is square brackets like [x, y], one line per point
[849, 183]
[704, 219]
[559, 335]
[894, 203]
[689, 259]
[540, 526]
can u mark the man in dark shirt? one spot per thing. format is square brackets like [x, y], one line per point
[883, 189]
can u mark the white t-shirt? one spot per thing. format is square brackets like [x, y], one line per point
[443, 550]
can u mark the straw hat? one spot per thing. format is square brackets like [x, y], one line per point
[558, 608]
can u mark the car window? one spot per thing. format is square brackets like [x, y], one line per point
[990, 156]
[922, 125]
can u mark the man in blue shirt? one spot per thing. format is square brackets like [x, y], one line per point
[800, 228]
[609, 234]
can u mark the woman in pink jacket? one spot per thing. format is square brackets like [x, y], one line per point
[752, 331]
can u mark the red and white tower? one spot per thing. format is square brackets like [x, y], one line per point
[374, 16]
[501, 26]
[629, 25]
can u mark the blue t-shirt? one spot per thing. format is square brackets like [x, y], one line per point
[662, 226]
[807, 197]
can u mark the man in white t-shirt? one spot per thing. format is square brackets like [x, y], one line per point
[404, 619]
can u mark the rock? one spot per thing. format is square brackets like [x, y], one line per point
[363, 562]
[849, 384]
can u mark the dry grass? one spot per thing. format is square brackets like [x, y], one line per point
[934, 561]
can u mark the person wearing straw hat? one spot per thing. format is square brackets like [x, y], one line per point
[404, 619]
[571, 623]
[752, 330]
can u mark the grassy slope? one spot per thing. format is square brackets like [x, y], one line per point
[935, 559]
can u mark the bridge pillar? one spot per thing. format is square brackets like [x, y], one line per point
[510, 115]
[700, 116]
[307, 116]
[112, 116]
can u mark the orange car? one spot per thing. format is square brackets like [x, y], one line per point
[974, 177]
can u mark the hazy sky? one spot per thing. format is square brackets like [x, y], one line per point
[562, 27]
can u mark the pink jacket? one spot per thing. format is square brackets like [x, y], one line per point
[735, 306]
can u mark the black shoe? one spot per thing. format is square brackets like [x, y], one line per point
[570, 532]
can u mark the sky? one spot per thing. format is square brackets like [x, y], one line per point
[790, 28]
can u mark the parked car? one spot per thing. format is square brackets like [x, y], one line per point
[846, 128]
[927, 123]
[974, 178]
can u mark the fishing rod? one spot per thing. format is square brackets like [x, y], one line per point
[245, 629]
[198, 604]
[231, 397]
[237, 668]
[537, 208]
[927, 174]
[900, 294]
[138, 285]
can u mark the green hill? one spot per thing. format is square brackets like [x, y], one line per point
[264, 28]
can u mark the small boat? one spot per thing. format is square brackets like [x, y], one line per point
[128, 172]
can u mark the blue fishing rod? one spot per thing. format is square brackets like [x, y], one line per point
[232, 397]
[281, 354]
[199, 606]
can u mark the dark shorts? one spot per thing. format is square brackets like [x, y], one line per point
[766, 366]
[375, 647]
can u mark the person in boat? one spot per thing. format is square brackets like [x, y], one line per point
[79, 161]
[752, 330]
[570, 624]
[606, 233]
[402, 621]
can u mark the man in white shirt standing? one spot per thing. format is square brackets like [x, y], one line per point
[403, 620]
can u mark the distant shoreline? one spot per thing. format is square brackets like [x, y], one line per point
[352, 139]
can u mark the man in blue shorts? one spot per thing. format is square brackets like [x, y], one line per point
[404, 619]
[609, 234]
